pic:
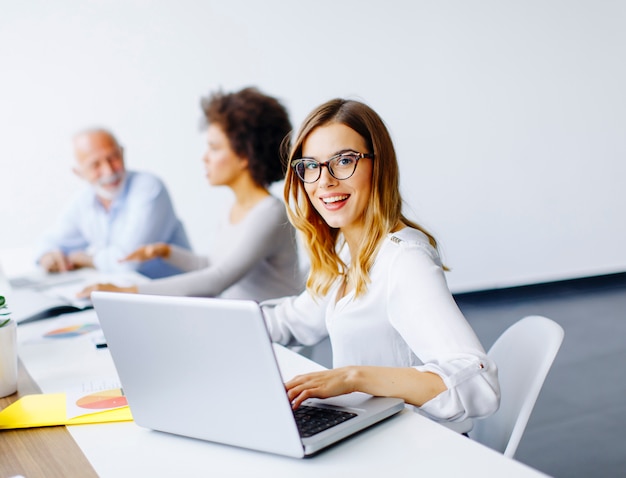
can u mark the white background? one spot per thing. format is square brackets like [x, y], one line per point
[509, 117]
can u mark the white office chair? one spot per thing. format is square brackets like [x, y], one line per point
[524, 354]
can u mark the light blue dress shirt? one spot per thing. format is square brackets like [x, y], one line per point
[142, 214]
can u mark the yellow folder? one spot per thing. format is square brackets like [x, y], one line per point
[49, 409]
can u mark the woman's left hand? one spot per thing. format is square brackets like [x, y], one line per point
[86, 292]
[328, 383]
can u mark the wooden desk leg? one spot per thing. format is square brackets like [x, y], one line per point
[39, 452]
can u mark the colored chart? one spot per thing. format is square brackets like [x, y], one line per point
[71, 331]
[103, 400]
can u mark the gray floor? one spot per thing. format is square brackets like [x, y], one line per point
[578, 425]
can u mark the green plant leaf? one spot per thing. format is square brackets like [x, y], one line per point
[4, 312]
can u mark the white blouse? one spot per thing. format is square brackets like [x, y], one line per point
[407, 318]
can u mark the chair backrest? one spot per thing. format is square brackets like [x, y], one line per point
[524, 354]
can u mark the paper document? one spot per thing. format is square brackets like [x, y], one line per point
[94, 396]
[50, 409]
[39, 296]
[27, 305]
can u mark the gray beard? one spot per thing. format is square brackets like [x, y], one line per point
[107, 194]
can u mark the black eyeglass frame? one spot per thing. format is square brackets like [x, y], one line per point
[355, 154]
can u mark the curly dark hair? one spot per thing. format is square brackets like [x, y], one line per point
[256, 125]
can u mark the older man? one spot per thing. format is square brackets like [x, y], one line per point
[119, 211]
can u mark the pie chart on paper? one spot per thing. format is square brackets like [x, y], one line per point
[103, 400]
[71, 331]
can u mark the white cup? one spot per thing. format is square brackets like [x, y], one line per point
[8, 359]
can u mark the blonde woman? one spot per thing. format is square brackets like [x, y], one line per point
[376, 285]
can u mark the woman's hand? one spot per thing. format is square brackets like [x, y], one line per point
[328, 383]
[410, 385]
[86, 292]
[146, 253]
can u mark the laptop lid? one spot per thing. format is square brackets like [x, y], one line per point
[206, 368]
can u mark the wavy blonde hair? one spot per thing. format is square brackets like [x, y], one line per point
[384, 211]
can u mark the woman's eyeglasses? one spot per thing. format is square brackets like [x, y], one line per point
[341, 166]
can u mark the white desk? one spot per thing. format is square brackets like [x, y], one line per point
[406, 444]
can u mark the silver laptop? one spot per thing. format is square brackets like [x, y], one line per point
[206, 368]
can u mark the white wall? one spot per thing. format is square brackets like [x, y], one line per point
[509, 117]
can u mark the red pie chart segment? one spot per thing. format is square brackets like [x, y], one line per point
[104, 400]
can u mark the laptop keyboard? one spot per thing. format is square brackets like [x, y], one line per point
[313, 420]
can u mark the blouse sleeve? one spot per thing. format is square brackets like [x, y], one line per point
[423, 311]
[186, 260]
[245, 251]
[299, 319]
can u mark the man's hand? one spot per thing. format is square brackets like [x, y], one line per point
[80, 259]
[56, 261]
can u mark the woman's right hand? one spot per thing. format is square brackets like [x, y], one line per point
[146, 253]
